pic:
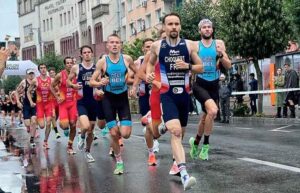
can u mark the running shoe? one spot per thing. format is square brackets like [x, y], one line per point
[162, 129]
[57, 135]
[194, 152]
[155, 146]
[188, 182]
[111, 152]
[66, 132]
[70, 150]
[80, 144]
[204, 152]
[174, 170]
[121, 142]
[32, 144]
[89, 157]
[45, 145]
[152, 160]
[119, 169]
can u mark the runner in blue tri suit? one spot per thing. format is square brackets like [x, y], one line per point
[175, 56]
[85, 101]
[206, 88]
[115, 102]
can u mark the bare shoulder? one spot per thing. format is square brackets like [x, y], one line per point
[218, 41]
[127, 58]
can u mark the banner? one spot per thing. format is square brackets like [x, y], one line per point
[19, 68]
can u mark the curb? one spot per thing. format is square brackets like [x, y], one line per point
[272, 121]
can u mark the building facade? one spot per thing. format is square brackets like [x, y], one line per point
[63, 26]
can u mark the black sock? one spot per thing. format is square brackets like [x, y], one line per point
[87, 150]
[197, 140]
[31, 139]
[55, 129]
[206, 139]
[173, 159]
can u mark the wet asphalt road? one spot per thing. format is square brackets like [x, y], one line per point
[235, 163]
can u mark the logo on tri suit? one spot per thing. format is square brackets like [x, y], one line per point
[163, 45]
[177, 90]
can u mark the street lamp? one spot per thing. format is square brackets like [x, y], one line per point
[39, 38]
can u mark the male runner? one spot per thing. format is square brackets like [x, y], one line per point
[55, 107]
[66, 99]
[85, 102]
[115, 66]
[29, 113]
[213, 54]
[174, 55]
[144, 95]
[43, 104]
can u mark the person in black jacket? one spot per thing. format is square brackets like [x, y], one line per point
[239, 86]
[291, 80]
[253, 97]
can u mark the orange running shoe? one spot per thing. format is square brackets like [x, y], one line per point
[174, 170]
[152, 160]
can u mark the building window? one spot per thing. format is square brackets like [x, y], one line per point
[141, 25]
[129, 5]
[69, 17]
[132, 29]
[72, 10]
[61, 20]
[123, 10]
[28, 35]
[47, 24]
[44, 25]
[65, 18]
[51, 24]
[148, 21]
[158, 15]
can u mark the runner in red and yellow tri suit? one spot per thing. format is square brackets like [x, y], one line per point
[44, 105]
[67, 102]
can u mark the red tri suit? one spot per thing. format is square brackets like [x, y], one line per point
[68, 108]
[44, 104]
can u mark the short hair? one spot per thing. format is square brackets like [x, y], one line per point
[287, 64]
[147, 40]
[204, 21]
[160, 32]
[52, 69]
[86, 46]
[41, 64]
[68, 57]
[252, 74]
[113, 35]
[171, 14]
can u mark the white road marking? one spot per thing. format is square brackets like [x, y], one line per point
[281, 166]
[279, 129]
[243, 128]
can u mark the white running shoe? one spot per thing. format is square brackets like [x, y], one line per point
[80, 144]
[188, 182]
[155, 146]
[89, 157]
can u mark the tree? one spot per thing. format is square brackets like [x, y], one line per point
[292, 10]
[134, 49]
[191, 13]
[52, 60]
[254, 29]
[11, 83]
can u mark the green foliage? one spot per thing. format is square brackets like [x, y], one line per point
[292, 11]
[254, 28]
[11, 83]
[52, 60]
[241, 110]
[191, 13]
[134, 49]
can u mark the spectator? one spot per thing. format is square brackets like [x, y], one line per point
[224, 95]
[291, 80]
[279, 84]
[253, 97]
[239, 88]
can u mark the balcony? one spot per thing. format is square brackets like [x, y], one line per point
[100, 10]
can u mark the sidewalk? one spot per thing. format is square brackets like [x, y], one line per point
[11, 171]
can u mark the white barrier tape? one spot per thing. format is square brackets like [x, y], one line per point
[265, 91]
